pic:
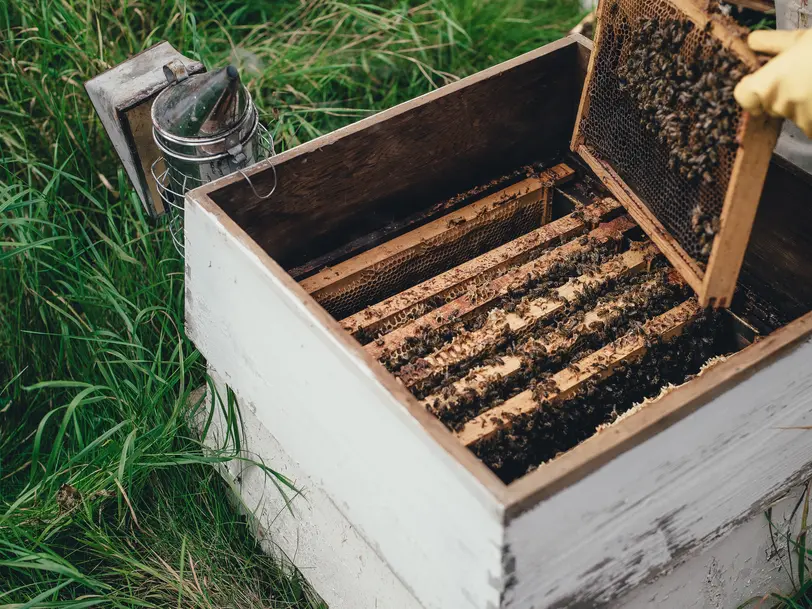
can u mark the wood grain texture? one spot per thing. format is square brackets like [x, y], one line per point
[122, 97]
[667, 497]
[715, 286]
[400, 226]
[399, 309]
[628, 503]
[739, 210]
[527, 191]
[763, 6]
[358, 179]
[596, 366]
[436, 246]
[137, 127]
[583, 105]
[303, 527]
[777, 262]
[277, 349]
[739, 567]
[552, 344]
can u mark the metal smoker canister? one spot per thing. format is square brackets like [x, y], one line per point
[207, 127]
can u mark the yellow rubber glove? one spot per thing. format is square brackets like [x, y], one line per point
[783, 87]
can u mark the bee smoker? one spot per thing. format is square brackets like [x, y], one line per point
[206, 127]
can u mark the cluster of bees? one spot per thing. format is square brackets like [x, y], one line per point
[537, 437]
[642, 300]
[705, 226]
[685, 99]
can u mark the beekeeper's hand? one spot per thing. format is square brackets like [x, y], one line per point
[783, 87]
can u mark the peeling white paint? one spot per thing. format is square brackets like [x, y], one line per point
[436, 526]
[669, 497]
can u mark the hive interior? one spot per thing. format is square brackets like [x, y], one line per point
[527, 318]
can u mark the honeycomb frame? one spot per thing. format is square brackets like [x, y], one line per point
[739, 181]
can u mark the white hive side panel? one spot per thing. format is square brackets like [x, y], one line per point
[669, 497]
[749, 562]
[436, 526]
[303, 527]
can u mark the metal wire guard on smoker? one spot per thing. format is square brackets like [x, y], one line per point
[172, 186]
[207, 127]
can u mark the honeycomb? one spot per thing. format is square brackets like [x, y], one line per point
[433, 256]
[660, 111]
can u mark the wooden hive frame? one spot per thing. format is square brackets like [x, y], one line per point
[757, 137]
[392, 494]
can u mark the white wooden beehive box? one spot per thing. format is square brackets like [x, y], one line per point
[395, 511]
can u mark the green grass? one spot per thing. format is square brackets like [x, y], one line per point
[795, 555]
[106, 497]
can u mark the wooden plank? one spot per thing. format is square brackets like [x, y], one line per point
[122, 96]
[595, 366]
[358, 179]
[583, 106]
[138, 127]
[398, 227]
[762, 6]
[714, 287]
[725, 29]
[472, 344]
[552, 344]
[739, 210]
[305, 527]
[781, 237]
[669, 246]
[400, 308]
[527, 191]
[485, 296]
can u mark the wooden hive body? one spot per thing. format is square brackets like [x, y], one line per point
[395, 511]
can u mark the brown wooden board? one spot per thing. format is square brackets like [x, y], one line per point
[435, 247]
[756, 138]
[776, 273]
[363, 177]
[762, 6]
[551, 343]
[403, 225]
[472, 344]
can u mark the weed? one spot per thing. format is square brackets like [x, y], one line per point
[795, 548]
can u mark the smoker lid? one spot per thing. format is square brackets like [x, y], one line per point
[202, 106]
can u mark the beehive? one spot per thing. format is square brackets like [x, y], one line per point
[397, 511]
[515, 321]
[659, 123]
